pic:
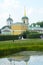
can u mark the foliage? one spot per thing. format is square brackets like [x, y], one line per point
[34, 24]
[31, 34]
[40, 23]
[25, 34]
[8, 37]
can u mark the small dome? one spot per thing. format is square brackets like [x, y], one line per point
[9, 19]
[25, 17]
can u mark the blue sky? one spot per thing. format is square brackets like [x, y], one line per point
[34, 10]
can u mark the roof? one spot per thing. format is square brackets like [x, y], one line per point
[5, 27]
[19, 23]
[25, 17]
[9, 19]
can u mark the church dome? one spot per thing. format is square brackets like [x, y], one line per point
[9, 19]
[25, 17]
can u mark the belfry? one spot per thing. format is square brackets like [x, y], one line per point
[25, 18]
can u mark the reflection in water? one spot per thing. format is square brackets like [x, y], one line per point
[19, 58]
[23, 58]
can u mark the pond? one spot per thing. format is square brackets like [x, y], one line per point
[23, 58]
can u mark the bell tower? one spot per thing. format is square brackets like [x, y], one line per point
[25, 18]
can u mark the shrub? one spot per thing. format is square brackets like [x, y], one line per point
[8, 37]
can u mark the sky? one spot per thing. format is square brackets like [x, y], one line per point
[34, 60]
[34, 10]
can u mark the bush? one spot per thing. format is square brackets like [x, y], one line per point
[8, 37]
[31, 34]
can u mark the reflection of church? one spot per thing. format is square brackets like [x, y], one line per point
[15, 58]
[15, 28]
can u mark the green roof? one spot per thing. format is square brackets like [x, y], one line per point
[25, 17]
[9, 19]
[5, 27]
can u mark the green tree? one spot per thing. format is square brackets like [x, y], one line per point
[40, 23]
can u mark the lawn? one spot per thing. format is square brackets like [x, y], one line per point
[10, 47]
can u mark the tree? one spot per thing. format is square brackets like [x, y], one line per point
[34, 24]
[25, 34]
[40, 23]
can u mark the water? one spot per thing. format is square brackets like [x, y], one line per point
[23, 58]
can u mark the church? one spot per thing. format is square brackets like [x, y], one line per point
[15, 28]
[19, 27]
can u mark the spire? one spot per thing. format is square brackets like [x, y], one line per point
[24, 11]
[9, 15]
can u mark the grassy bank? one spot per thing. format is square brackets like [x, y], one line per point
[10, 47]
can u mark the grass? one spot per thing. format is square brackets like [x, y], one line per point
[10, 47]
